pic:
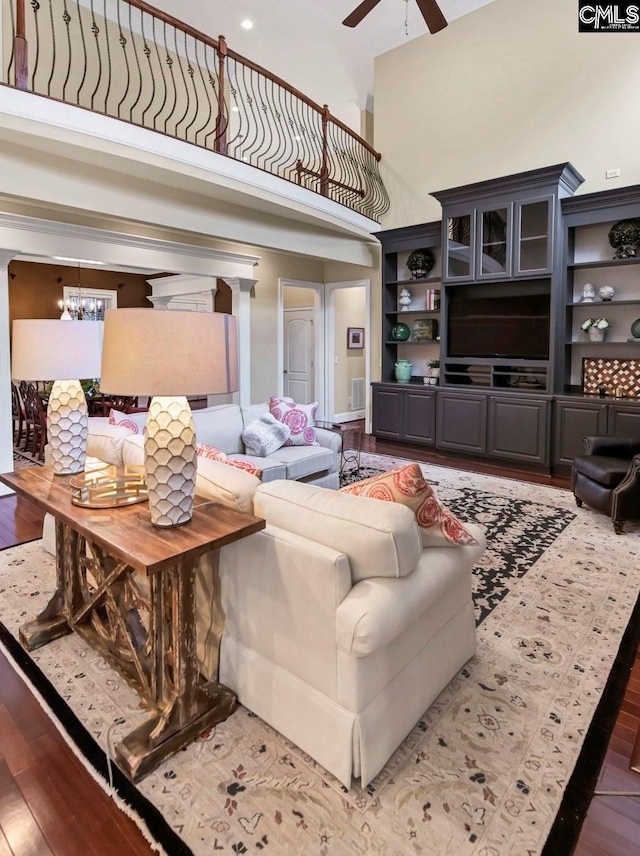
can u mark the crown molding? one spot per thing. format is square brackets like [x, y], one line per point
[57, 229]
[563, 175]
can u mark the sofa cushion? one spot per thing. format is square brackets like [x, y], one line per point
[439, 527]
[300, 418]
[227, 485]
[303, 461]
[220, 426]
[271, 469]
[379, 539]
[264, 435]
[106, 441]
[376, 611]
[133, 450]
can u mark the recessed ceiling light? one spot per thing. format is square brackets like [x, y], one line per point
[247, 24]
[235, 109]
[78, 261]
[297, 138]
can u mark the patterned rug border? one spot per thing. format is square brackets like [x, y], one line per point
[144, 814]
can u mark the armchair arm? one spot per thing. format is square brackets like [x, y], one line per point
[625, 499]
[613, 447]
[329, 439]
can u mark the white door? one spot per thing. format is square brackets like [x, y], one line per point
[299, 343]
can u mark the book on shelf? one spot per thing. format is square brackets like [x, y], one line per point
[433, 299]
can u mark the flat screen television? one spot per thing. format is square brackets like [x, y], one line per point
[512, 326]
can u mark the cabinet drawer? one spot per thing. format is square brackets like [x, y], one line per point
[624, 421]
[462, 423]
[419, 422]
[387, 413]
[573, 421]
[518, 430]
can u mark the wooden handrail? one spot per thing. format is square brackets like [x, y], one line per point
[274, 126]
[231, 54]
[21, 68]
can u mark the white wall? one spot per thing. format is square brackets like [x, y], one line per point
[349, 311]
[510, 87]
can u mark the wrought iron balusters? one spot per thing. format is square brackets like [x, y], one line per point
[127, 60]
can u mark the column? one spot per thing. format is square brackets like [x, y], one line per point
[160, 302]
[6, 420]
[241, 305]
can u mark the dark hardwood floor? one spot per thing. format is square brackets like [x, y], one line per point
[50, 806]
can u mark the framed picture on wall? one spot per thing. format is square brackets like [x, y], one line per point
[355, 337]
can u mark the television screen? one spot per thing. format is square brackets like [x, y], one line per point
[505, 326]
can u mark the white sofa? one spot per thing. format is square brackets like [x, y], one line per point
[333, 624]
[339, 630]
[222, 426]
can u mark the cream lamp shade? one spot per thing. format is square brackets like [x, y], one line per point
[169, 355]
[62, 351]
[46, 349]
[160, 352]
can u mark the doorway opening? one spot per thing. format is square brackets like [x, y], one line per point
[301, 342]
[348, 348]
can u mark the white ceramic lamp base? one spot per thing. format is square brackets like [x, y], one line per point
[67, 427]
[170, 460]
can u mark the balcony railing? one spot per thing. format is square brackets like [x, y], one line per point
[128, 60]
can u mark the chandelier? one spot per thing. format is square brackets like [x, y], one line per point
[80, 307]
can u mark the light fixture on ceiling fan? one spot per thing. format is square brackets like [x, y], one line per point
[431, 13]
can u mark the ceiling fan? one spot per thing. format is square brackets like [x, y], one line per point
[431, 13]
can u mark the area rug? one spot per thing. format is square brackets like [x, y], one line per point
[485, 770]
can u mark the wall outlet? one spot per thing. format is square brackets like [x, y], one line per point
[612, 173]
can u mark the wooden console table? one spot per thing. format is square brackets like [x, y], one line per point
[102, 558]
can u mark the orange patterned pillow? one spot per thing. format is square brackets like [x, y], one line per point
[439, 527]
[246, 466]
[212, 452]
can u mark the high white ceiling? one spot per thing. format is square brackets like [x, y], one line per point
[304, 42]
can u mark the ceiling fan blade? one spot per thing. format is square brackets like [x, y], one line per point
[432, 15]
[361, 12]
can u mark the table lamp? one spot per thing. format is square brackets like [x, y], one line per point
[62, 351]
[169, 355]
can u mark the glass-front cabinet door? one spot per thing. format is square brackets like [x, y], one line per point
[494, 243]
[533, 231]
[460, 247]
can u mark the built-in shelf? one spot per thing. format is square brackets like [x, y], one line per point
[606, 342]
[414, 281]
[413, 342]
[606, 303]
[604, 263]
[413, 312]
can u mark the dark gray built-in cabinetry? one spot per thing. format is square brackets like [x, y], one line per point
[526, 243]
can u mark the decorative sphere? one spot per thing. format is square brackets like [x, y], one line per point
[420, 262]
[400, 333]
[607, 292]
[635, 329]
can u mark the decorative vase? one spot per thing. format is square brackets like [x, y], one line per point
[403, 371]
[588, 293]
[405, 300]
[596, 334]
[635, 331]
[607, 292]
[400, 333]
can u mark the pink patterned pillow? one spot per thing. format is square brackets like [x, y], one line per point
[439, 527]
[118, 418]
[244, 465]
[212, 452]
[300, 418]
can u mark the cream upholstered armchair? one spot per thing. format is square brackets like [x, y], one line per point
[339, 629]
